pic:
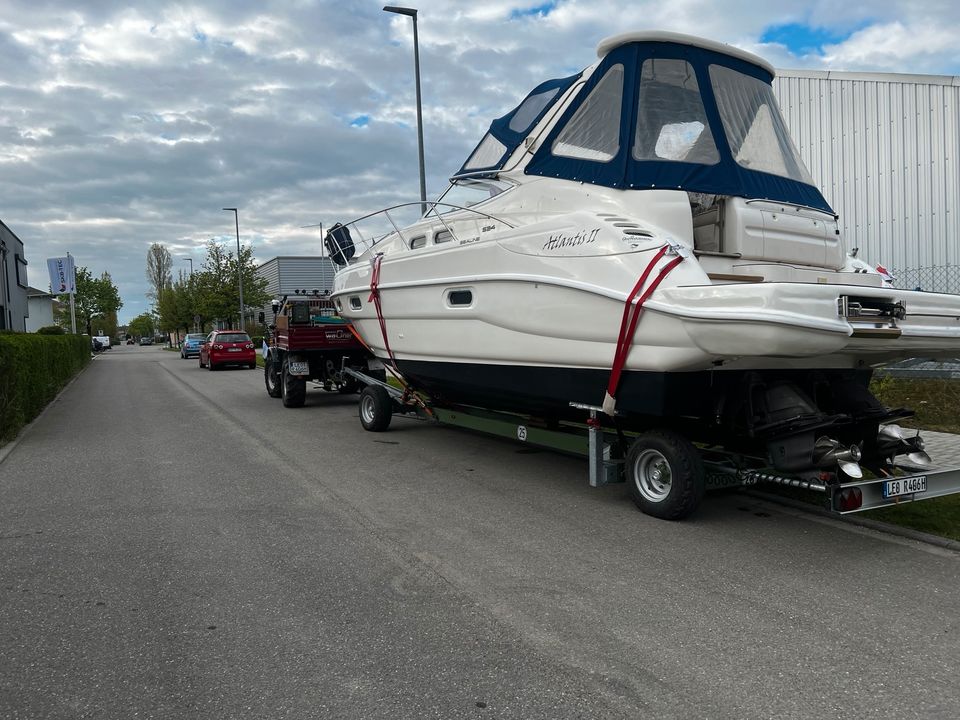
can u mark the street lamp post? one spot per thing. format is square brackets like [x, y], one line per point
[412, 13]
[236, 221]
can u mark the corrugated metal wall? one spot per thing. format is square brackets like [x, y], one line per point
[885, 151]
[305, 273]
[286, 274]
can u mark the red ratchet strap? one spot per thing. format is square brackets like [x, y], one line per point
[375, 299]
[408, 393]
[628, 324]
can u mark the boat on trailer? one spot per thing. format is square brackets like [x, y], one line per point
[644, 238]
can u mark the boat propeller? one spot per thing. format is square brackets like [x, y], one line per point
[828, 452]
[893, 440]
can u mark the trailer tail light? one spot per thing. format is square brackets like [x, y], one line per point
[849, 499]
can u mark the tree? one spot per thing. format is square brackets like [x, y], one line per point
[142, 325]
[217, 293]
[95, 299]
[159, 264]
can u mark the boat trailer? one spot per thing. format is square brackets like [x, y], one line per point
[905, 482]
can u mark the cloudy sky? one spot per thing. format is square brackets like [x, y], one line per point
[128, 123]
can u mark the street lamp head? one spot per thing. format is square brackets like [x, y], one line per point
[411, 12]
[233, 209]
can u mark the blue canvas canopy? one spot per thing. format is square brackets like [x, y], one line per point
[507, 132]
[668, 115]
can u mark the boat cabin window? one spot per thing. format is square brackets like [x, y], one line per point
[671, 121]
[418, 242]
[442, 236]
[460, 298]
[757, 134]
[593, 133]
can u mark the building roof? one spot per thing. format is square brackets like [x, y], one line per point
[33, 292]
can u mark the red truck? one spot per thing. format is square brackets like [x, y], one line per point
[308, 340]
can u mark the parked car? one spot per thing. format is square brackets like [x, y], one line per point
[227, 347]
[191, 345]
[129, 341]
[146, 341]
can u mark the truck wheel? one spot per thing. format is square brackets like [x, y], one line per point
[271, 378]
[293, 389]
[376, 408]
[665, 474]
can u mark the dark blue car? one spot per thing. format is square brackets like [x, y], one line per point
[191, 345]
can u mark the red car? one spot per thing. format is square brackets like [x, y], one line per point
[227, 347]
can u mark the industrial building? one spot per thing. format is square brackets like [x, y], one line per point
[291, 274]
[13, 282]
[885, 150]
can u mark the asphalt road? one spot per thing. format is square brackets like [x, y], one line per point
[175, 544]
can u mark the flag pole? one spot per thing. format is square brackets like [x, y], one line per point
[73, 309]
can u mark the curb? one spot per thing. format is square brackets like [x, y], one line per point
[10, 446]
[876, 525]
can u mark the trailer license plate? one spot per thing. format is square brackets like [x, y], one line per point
[905, 486]
[298, 368]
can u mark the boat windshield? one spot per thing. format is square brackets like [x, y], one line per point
[467, 192]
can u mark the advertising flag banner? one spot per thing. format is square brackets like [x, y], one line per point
[62, 278]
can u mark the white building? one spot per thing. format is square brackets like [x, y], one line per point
[40, 308]
[885, 150]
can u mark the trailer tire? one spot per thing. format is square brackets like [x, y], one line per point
[271, 378]
[376, 408]
[293, 389]
[665, 474]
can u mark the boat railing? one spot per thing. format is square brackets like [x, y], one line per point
[431, 211]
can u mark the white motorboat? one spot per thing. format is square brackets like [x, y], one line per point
[644, 236]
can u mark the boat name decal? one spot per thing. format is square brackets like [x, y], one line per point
[562, 240]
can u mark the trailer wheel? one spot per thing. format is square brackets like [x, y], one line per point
[293, 389]
[376, 408]
[665, 474]
[271, 378]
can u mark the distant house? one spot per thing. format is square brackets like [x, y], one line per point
[288, 275]
[40, 307]
[13, 281]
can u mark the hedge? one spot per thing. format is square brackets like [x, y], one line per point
[33, 369]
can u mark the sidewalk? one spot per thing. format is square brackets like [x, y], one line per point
[944, 448]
